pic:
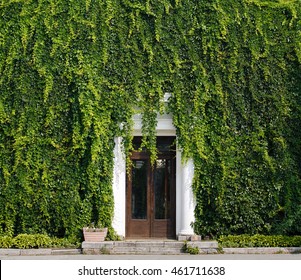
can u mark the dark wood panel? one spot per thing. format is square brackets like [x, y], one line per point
[150, 227]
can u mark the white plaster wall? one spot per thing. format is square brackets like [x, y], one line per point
[164, 127]
[119, 185]
[187, 198]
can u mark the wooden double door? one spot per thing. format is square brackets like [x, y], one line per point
[151, 193]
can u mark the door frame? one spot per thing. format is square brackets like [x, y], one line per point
[184, 174]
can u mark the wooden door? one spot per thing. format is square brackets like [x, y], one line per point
[151, 197]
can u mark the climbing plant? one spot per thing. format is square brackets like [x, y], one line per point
[73, 72]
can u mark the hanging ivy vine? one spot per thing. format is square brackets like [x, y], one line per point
[73, 71]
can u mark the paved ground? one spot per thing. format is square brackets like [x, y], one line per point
[160, 257]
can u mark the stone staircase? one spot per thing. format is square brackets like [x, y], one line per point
[148, 247]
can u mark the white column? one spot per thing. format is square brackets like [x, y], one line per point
[119, 184]
[187, 198]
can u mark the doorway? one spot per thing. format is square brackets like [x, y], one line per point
[151, 192]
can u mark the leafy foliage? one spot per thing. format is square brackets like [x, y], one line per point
[190, 249]
[27, 241]
[73, 71]
[6, 242]
[258, 240]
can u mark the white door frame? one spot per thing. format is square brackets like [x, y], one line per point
[185, 202]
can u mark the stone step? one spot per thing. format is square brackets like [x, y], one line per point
[147, 247]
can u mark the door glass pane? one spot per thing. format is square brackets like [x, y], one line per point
[166, 144]
[162, 186]
[139, 189]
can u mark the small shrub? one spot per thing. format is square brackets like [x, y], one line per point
[190, 250]
[112, 235]
[26, 241]
[63, 243]
[6, 242]
[257, 240]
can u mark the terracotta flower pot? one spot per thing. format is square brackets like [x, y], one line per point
[95, 234]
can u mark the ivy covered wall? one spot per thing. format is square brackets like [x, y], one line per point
[72, 71]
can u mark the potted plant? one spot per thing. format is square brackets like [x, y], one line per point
[94, 233]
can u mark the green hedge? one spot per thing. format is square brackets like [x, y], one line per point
[257, 240]
[27, 241]
[72, 73]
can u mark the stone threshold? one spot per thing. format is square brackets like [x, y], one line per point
[147, 247]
